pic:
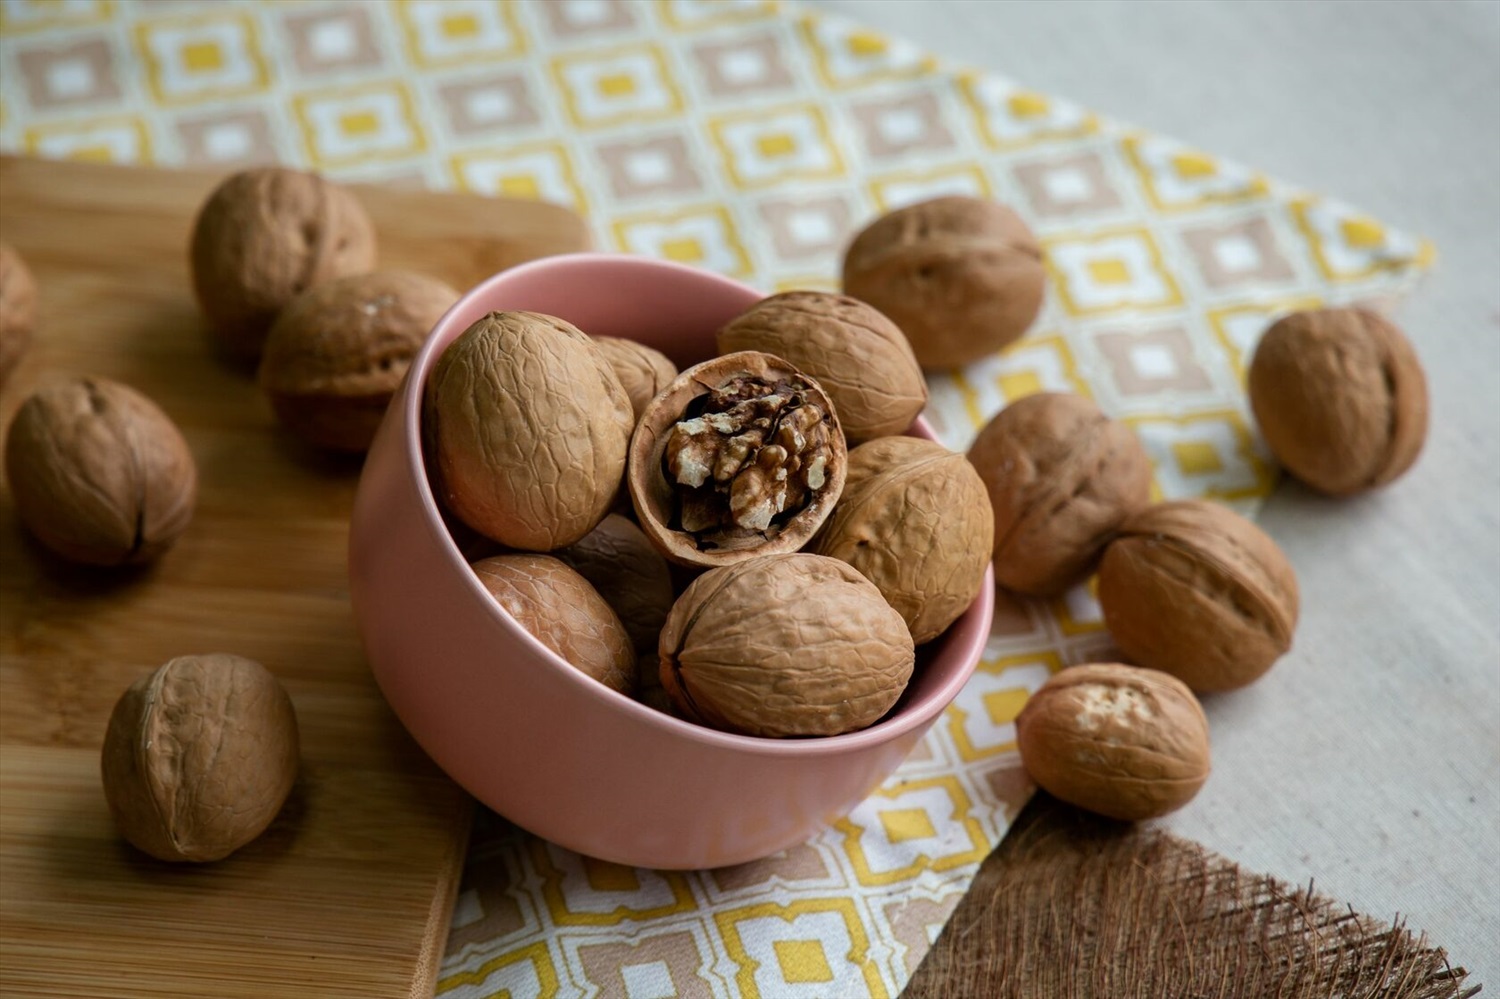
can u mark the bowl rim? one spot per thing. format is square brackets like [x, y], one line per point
[890, 727]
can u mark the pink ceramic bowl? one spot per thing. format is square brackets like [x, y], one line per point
[533, 738]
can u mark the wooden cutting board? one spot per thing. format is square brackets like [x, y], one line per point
[350, 891]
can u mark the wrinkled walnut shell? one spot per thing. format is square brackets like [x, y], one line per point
[915, 521]
[961, 276]
[1062, 477]
[860, 357]
[785, 645]
[564, 613]
[199, 757]
[99, 473]
[18, 306]
[656, 498]
[1124, 742]
[265, 236]
[336, 354]
[642, 370]
[621, 563]
[526, 428]
[1340, 398]
[1193, 589]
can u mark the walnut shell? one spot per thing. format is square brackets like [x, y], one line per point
[961, 276]
[265, 236]
[18, 307]
[1062, 477]
[564, 613]
[740, 456]
[199, 757]
[99, 473]
[621, 563]
[642, 370]
[1193, 589]
[860, 357]
[785, 645]
[336, 354]
[1340, 397]
[526, 428]
[915, 521]
[1124, 742]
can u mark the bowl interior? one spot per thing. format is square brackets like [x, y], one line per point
[677, 310]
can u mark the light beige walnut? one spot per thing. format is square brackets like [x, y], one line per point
[621, 563]
[1124, 742]
[199, 757]
[642, 370]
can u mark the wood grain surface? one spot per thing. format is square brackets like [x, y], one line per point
[350, 891]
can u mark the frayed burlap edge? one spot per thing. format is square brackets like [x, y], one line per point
[1075, 907]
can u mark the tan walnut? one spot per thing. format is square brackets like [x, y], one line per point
[1193, 589]
[785, 645]
[1124, 742]
[621, 563]
[1062, 477]
[526, 428]
[199, 757]
[99, 473]
[915, 521]
[1340, 398]
[961, 276]
[265, 236]
[739, 456]
[336, 354]
[564, 613]
[18, 308]
[642, 370]
[860, 357]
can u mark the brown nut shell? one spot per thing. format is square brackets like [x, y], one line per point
[1193, 589]
[526, 428]
[621, 563]
[263, 237]
[642, 370]
[785, 645]
[199, 757]
[701, 525]
[861, 358]
[1340, 398]
[99, 473]
[915, 521]
[564, 613]
[1124, 742]
[336, 354]
[18, 308]
[961, 276]
[1062, 477]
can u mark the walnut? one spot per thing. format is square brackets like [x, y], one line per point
[18, 308]
[860, 357]
[785, 645]
[1062, 477]
[739, 456]
[199, 757]
[621, 563]
[526, 428]
[1124, 742]
[99, 473]
[915, 521]
[336, 354]
[1340, 398]
[642, 370]
[564, 613]
[1193, 589]
[961, 276]
[265, 236]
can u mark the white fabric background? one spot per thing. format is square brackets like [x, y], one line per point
[1369, 759]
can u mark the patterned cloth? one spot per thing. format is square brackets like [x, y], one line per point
[749, 138]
